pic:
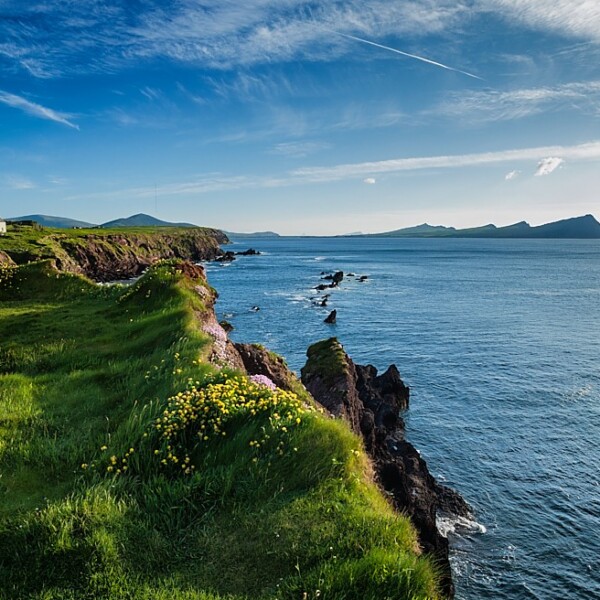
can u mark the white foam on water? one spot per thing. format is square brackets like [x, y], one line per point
[454, 525]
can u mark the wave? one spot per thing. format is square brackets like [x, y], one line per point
[455, 525]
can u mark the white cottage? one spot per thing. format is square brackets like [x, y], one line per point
[2, 226]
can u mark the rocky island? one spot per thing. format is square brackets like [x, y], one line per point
[145, 455]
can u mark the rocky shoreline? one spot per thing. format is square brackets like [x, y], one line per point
[371, 403]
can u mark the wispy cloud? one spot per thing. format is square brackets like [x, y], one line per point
[36, 110]
[219, 182]
[299, 149]
[496, 105]
[548, 165]
[512, 175]
[577, 19]
[60, 37]
[590, 151]
[52, 38]
[17, 182]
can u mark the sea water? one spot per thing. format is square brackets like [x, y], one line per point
[499, 341]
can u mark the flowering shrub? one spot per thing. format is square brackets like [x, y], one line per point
[201, 414]
[263, 380]
[7, 272]
[219, 336]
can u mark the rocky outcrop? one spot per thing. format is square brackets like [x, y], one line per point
[260, 361]
[331, 318]
[372, 403]
[120, 256]
[6, 260]
[249, 252]
[336, 277]
[228, 256]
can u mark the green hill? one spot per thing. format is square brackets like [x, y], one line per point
[57, 222]
[142, 220]
[135, 466]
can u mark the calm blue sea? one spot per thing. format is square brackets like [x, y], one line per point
[499, 341]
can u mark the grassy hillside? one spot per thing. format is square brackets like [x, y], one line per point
[132, 468]
[107, 255]
[25, 242]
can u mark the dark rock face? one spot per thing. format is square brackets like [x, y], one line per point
[331, 318]
[371, 404]
[259, 361]
[122, 256]
[249, 252]
[228, 256]
[336, 277]
[227, 326]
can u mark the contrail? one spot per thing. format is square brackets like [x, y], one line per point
[421, 58]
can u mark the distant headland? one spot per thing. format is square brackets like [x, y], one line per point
[586, 227]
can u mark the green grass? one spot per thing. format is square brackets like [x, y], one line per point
[27, 243]
[83, 367]
[328, 358]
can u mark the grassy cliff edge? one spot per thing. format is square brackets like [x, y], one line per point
[108, 254]
[133, 467]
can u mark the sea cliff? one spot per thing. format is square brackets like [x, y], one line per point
[109, 255]
[153, 430]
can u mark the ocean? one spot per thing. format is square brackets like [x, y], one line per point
[499, 341]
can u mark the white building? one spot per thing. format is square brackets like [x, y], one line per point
[2, 226]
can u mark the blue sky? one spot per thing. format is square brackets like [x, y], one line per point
[317, 117]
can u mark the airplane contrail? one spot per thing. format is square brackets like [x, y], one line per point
[421, 58]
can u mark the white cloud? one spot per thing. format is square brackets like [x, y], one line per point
[496, 105]
[580, 18]
[36, 110]
[299, 149]
[512, 175]
[48, 39]
[218, 182]
[17, 182]
[59, 37]
[590, 151]
[548, 165]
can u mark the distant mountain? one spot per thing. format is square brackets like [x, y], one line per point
[142, 220]
[262, 234]
[424, 230]
[586, 227]
[48, 221]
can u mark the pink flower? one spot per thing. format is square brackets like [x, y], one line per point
[263, 380]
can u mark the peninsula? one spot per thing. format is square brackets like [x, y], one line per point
[144, 455]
